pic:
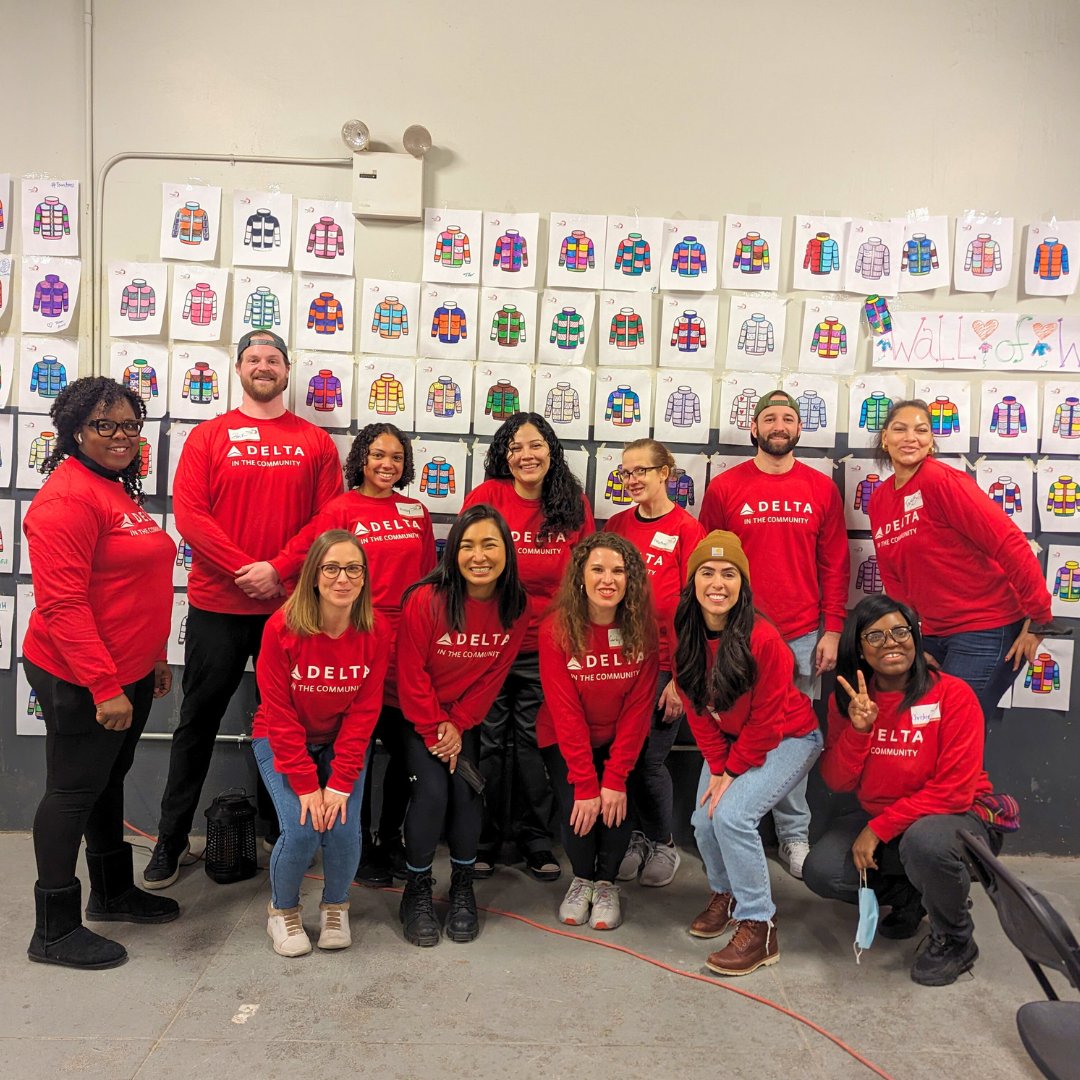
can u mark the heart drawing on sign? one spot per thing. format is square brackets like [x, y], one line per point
[984, 327]
[1042, 330]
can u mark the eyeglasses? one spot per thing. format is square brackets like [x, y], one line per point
[332, 571]
[107, 428]
[636, 474]
[898, 634]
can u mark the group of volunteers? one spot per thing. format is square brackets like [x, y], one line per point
[537, 672]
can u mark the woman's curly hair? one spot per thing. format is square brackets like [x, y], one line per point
[77, 403]
[561, 492]
[358, 455]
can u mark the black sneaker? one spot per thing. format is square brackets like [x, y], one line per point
[542, 865]
[374, 869]
[943, 960]
[164, 866]
[902, 922]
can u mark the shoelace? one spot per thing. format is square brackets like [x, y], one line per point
[741, 937]
[333, 918]
[602, 895]
[293, 923]
[577, 891]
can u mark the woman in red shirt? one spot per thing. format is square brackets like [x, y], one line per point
[461, 627]
[320, 673]
[757, 733]
[665, 534]
[530, 484]
[94, 654]
[908, 740]
[599, 665]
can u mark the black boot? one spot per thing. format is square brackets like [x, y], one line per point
[417, 911]
[114, 896]
[461, 921]
[60, 937]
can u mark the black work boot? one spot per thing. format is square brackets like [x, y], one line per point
[60, 937]
[943, 960]
[417, 912]
[114, 897]
[461, 921]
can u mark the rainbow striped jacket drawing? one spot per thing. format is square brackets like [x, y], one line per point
[452, 247]
[680, 488]
[1043, 674]
[623, 406]
[437, 478]
[830, 338]
[1067, 419]
[822, 254]
[390, 318]
[751, 254]
[191, 225]
[634, 256]
[920, 255]
[140, 378]
[1008, 418]
[511, 252]
[578, 252]
[324, 391]
[689, 258]
[1062, 496]
[444, 397]
[944, 416]
[983, 255]
[51, 221]
[1067, 582]
[615, 490]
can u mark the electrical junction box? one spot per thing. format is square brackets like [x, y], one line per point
[388, 186]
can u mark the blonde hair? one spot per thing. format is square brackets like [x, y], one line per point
[661, 455]
[303, 613]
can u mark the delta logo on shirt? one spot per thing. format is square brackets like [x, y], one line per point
[603, 667]
[777, 511]
[461, 645]
[403, 528]
[528, 539]
[265, 455]
[138, 522]
[898, 529]
[319, 679]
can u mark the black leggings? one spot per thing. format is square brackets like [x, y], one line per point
[596, 855]
[85, 766]
[391, 732]
[436, 795]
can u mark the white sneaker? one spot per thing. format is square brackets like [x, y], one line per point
[285, 927]
[794, 852]
[660, 866]
[574, 910]
[636, 856]
[606, 910]
[334, 932]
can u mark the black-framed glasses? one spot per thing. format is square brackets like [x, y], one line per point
[332, 570]
[107, 428]
[636, 474]
[898, 634]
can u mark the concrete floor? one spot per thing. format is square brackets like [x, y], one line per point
[206, 996]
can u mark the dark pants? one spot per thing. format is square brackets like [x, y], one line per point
[391, 731]
[927, 855]
[596, 855]
[649, 784]
[437, 797]
[216, 650]
[517, 798]
[85, 766]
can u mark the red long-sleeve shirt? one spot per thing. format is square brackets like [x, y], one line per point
[792, 529]
[540, 566]
[666, 544]
[453, 675]
[950, 553]
[318, 689]
[591, 700]
[243, 489]
[773, 709]
[925, 760]
[102, 583]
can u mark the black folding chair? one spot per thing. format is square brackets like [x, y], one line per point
[1049, 1030]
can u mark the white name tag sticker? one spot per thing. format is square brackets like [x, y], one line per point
[412, 510]
[663, 541]
[243, 434]
[614, 637]
[921, 715]
[912, 501]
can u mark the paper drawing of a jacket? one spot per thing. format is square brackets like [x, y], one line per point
[191, 225]
[138, 301]
[1062, 497]
[183, 554]
[390, 319]
[683, 408]
[878, 316]
[1051, 259]
[983, 255]
[1067, 419]
[324, 391]
[325, 314]
[387, 395]
[511, 252]
[51, 221]
[864, 490]
[944, 416]
[262, 310]
[326, 239]
[200, 305]
[751, 254]
[830, 338]
[1005, 491]
[577, 253]
[444, 397]
[756, 336]
[627, 329]
[689, 259]
[615, 490]
[568, 329]
[140, 378]
[812, 410]
[51, 297]
[873, 261]
[822, 254]
[868, 578]
[1009, 418]
[1043, 674]
[1067, 582]
[920, 255]
[508, 326]
[200, 384]
[742, 408]
[623, 406]
[874, 410]
[449, 323]
[634, 256]
[563, 404]
[680, 488]
[688, 332]
[503, 400]
[262, 231]
[437, 478]
[144, 457]
[40, 448]
[452, 247]
[48, 377]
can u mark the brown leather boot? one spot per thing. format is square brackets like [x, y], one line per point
[716, 918]
[753, 945]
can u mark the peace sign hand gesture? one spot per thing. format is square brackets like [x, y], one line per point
[861, 710]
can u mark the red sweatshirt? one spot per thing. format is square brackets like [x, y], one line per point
[771, 710]
[453, 675]
[102, 583]
[540, 567]
[925, 760]
[243, 489]
[792, 530]
[317, 689]
[666, 544]
[950, 553]
[592, 700]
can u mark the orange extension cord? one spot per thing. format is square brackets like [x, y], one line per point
[836, 1041]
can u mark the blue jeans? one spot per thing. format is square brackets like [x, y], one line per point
[729, 843]
[791, 815]
[978, 657]
[297, 844]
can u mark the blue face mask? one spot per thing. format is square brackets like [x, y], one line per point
[868, 918]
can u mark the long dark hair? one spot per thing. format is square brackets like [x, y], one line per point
[74, 405]
[733, 671]
[358, 455]
[560, 495]
[448, 584]
[849, 658]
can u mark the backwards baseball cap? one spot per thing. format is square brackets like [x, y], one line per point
[719, 545]
[262, 337]
[776, 397]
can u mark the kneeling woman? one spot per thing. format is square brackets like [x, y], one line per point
[758, 735]
[320, 674]
[599, 667]
[461, 628]
[909, 742]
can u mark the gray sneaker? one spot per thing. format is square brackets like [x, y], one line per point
[636, 856]
[574, 910]
[660, 865]
[606, 911]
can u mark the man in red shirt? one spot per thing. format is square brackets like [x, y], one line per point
[790, 518]
[246, 483]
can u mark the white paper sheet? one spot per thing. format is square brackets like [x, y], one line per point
[197, 311]
[178, 630]
[862, 476]
[440, 474]
[1051, 249]
[1009, 483]
[983, 253]
[386, 391]
[739, 394]
[390, 317]
[818, 397]
[577, 459]
[819, 246]
[874, 256]
[178, 434]
[510, 249]
[686, 484]
[1061, 418]
[752, 252]
[6, 211]
[199, 382]
[24, 567]
[626, 327]
[634, 248]
[865, 575]
[756, 332]
[507, 325]
[8, 537]
[443, 396]
[1046, 683]
[46, 366]
[1063, 580]
[1057, 489]
[27, 717]
[325, 237]
[35, 438]
[623, 407]
[50, 217]
[563, 396]
[577, 250]
[190, 222]
[323, 388]
[325, 313]
[684, 406]
[869, 399]
[149, 457]
[7, 368]
[565, 324]
[1008, 416]
[689, 259]
[450, 237]
[7, 625]
[137, 297]
[24, 605]
[262, 300]
[688, 331]
[262, 227]
[6, 265]
[7, 448]
[183, 553]
[448, 323]
[924, 264]
[50, 293]
[144, 369]
[829, 339]
[951, 417]
[609, 495]
[499, 391]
